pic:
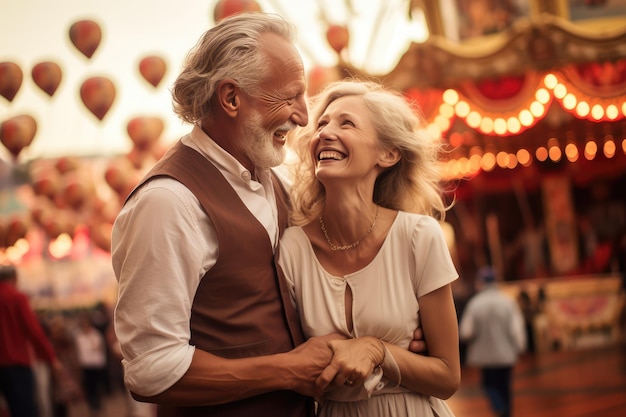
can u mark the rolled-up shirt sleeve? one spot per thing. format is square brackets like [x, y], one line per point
[162, 245]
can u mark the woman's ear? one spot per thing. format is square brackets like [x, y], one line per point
[228, 97]
[389, 158]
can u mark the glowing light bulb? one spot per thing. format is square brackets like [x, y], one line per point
[609, 147]
[612, 112]
[486, 125]
[462, 109]
[597, 112]
[555, 153]
[473, 119]
[560, 91]
[582, 108]
[541, 154]
[537, 109]
[523, 156]
[526, 118]
[450, 96]
[542, 95]
[488, 162]
[550, 81]
[571, 151]
[570, 101]
[513, 125]
[591, 148]
[499, 126]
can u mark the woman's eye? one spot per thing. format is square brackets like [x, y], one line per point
[347, 122]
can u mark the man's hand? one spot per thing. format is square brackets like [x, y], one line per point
[310, 359]
[418, 344]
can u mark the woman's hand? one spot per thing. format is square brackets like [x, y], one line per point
[418, 344]
[353, 361]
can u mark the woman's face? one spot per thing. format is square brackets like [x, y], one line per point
[345, 144]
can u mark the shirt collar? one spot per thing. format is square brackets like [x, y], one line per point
[223, 160]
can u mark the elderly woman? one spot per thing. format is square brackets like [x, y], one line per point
[366, 256]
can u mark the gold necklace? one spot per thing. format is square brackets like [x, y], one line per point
[334, 247]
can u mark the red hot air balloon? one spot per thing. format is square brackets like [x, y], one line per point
[17, 133]
[75, 190]
[319, 76]
[47, 76]
[86, 36]
[98, 94]
[152, 69]
[338, 37]
[47, 185]
[10, 79]
[225, 8]
[16, 230]
[144, 131]
[66, 164]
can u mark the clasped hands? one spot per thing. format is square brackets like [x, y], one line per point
[352, 362]
[326, 361]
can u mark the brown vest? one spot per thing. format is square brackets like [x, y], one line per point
[242, 307]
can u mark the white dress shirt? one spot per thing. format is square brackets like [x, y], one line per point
[162, 245]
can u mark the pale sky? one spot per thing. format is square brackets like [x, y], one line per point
[32, 31]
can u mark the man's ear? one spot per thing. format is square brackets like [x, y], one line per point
[228, 97]
[389, 158]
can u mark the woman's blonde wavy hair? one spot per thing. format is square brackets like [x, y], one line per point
[413, 184]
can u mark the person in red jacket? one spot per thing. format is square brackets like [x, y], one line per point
[21, 336]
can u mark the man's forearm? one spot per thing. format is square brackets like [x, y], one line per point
[212, 380]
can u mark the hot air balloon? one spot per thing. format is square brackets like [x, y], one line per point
[46, 184]
[10, 79]
[67, 163]
[86, 36]
[225, 8]
[47, 76]
[144, 131]
[121, 176]
[76, 190]
[98, 94]
[18, 132]
[14, 228]
[152, 69]
[338, 37]
[319, 76]
[58, 220]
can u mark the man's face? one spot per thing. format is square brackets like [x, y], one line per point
[277, 106]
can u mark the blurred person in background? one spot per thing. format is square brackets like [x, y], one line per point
[92, 358]
[493, 328]
[21, 336]
[65, 390]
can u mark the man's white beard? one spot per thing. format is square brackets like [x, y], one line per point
[258, 144]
